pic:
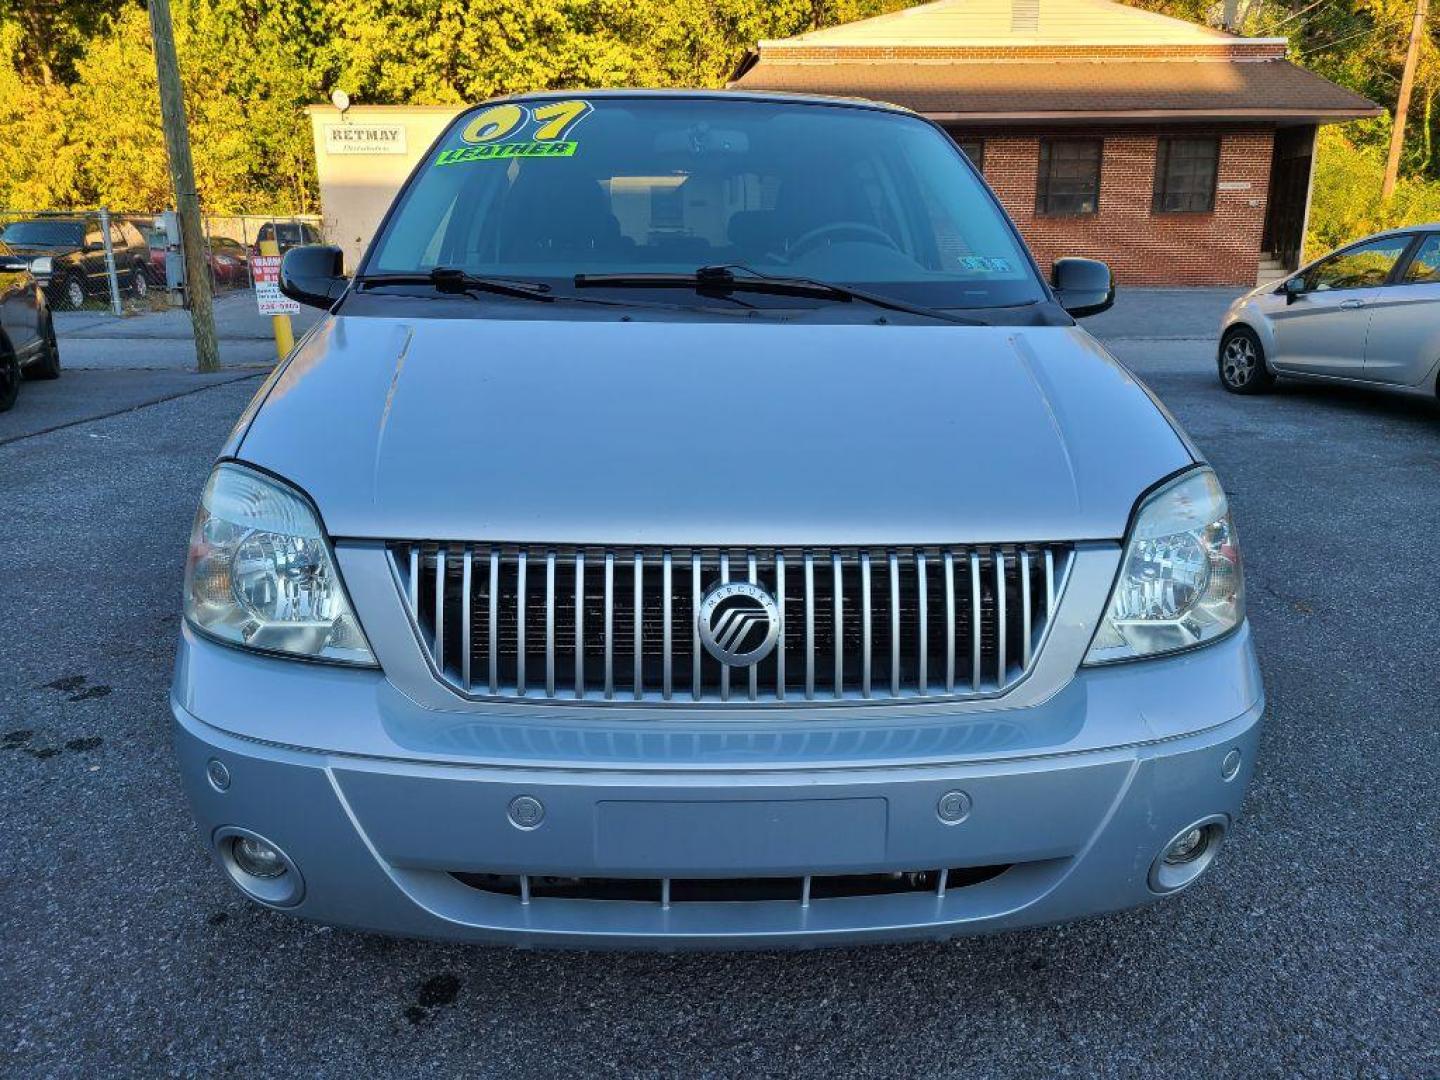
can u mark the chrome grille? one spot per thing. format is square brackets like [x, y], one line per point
[555, 623]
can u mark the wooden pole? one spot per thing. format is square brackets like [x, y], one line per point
[1402, 105]
[182, 179]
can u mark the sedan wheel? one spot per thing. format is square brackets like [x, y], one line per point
[9, 380]
[1242, 363]
[48, 366]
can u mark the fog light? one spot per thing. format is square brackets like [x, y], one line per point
[1191, 845]
[258, 858]
[259, 867]
[1188, 854]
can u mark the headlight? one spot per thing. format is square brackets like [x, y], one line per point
[1179, 582]
[260, 572]
[42, 264]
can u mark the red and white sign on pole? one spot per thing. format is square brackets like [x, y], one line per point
[266, 271]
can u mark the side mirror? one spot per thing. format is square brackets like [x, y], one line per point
[1083, 286]
[313, 274]
[1293, 288]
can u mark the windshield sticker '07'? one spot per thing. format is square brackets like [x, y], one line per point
[492, 135]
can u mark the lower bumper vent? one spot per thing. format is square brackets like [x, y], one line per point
[667, 891]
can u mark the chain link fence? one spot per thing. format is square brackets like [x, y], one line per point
[127, 263]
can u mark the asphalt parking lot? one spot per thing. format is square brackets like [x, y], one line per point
[1312, 949]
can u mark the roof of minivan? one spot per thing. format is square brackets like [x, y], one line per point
[776, 96]
[1419, 226]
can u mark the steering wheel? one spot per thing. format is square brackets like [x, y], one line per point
[856, 229]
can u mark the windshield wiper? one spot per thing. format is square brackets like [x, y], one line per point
[451, 279]
[724, 278]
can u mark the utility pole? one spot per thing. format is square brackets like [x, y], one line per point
[182, 179]
[1402, 106]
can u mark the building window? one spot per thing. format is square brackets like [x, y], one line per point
[1185, 171]
[974, 149]
[1069, 180]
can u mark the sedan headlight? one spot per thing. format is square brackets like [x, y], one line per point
[260, 572]
[1180, 583]
[42, 264]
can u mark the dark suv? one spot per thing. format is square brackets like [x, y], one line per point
[67, 256]
[286, 234]
[27, 335]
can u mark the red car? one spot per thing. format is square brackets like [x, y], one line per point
[229, 261]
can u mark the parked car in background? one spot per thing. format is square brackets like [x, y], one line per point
[286, 234]
[1367, 315]
[28, 348]
[67, 256]
[229, 260]
[815, 580]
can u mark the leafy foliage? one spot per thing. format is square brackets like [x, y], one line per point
[1345, 202]
[79, 107]
[82, 118]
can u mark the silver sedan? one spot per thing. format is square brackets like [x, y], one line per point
[1368, 314]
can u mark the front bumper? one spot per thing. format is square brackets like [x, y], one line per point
[378, 837]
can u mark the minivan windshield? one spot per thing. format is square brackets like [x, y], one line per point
[543, 190]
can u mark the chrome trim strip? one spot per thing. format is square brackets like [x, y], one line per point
[666, 589]
[949, 622]
[580, 623]
[1025, 608]
[465, 617]
[639, 624]
[724, 668]
[754, 668]
[922, 590]
[839, 601]
[809, 626]
[696, 689]
[865, 617]
[494, 620]
[439, 647]
[780, 648]
[1001, 667]
[609, 625]
[521, 565]
[894, 625]
[974, 622]
[550, 623]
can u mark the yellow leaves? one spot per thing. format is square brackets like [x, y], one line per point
[1345, 203]
[250, 67]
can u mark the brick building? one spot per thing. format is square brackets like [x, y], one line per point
[1177, 153]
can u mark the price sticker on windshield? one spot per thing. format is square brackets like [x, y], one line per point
[512, 130]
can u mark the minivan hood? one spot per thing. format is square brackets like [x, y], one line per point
[708, 432]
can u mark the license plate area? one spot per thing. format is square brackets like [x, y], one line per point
[757, 836]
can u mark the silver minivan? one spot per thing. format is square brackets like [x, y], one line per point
[1368, 314]
[698, 523]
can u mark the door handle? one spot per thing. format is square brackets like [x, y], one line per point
[1352, 303]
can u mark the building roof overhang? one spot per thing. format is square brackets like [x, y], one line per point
[1141, 91]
